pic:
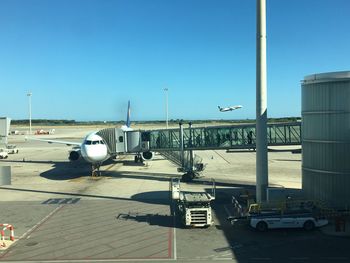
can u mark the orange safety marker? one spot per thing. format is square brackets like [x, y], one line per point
[2, 232]
[2, 243]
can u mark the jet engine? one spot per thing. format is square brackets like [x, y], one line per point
[74, 155]
[147, 156]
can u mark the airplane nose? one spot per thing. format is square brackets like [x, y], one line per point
[95, 153]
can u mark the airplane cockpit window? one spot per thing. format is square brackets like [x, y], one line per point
[95, 142]
[87, 142]
[101, 142]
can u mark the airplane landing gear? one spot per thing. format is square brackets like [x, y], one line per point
[95, 171]
[138, 158]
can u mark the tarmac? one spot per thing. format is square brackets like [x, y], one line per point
[61, 214]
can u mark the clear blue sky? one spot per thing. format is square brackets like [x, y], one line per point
[83, 59]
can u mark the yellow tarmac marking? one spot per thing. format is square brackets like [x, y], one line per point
[78, 179]
[8, 243]
[111, 166]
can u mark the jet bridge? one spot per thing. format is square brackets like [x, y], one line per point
[223, 137]
[177, 145]
[121, 141]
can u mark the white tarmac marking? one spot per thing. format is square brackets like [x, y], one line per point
[299, 258]
[175, 255]
[337, 258]
[227, 254]
[211, 258]
[94, 260]
[174, 224]
[221, 156]
[39, 223]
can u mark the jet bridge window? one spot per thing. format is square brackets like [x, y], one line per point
[121, 139]
[145, 136]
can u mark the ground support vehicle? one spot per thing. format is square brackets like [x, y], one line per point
[11, 149]
[274, 220]
[44, 132]
[296, 214]
[3, 154]
[194, 208]
[295, 219]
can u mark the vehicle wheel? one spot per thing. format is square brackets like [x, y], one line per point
[186, 177]
[192, 175]
[136, 158]
[261, 226]
[309, 225]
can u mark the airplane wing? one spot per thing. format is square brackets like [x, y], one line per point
[55, 141]
[237, 107]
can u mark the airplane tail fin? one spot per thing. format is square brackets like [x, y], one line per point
[127, 124]
[219, 107]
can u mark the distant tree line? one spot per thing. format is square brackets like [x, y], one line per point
[172, 121]
[62, 122]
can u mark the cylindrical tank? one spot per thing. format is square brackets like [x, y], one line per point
[326, 138]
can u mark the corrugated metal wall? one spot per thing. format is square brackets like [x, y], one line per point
[326, 138]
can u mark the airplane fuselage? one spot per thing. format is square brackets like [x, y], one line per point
[93, 149]
[229, 108]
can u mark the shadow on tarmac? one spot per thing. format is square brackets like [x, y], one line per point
[252, 150]
[61, 171]
[154, 197]
[286, 160]
[151, 219]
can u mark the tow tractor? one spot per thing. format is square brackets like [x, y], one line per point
[3, 154]
[264, 217]
[11, 149]
[295, 219]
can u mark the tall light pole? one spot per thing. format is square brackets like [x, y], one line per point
[262, 180]
[166, 106]
[30, 112]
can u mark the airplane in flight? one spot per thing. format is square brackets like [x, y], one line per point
[92, 149]
[230, 108]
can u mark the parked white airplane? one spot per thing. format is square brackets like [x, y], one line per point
[230, 108]
[93, 148]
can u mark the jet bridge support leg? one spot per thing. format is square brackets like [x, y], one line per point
[188, 167]
[190, 173]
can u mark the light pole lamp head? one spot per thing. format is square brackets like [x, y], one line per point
[29, 94]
